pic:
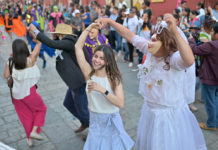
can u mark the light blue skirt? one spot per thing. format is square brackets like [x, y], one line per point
[106, 132]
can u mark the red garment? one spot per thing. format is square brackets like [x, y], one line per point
[31, 111]
[144, 58]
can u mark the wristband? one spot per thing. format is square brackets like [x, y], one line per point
[87, 30]
[36, 32]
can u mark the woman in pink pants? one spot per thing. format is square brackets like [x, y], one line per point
[28, 104]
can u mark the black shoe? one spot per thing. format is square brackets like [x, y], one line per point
[81, 128]
[44, 64]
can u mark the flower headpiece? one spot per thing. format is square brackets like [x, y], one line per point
[161, 26]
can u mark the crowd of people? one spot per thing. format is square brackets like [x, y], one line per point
[176, 55]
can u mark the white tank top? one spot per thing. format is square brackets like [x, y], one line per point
[23, 80]
[97, 101]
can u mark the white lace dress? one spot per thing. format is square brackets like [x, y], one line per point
[166, 123]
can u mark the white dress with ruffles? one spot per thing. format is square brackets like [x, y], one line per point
[166, 123]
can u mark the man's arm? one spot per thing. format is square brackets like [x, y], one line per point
[203, 49]
[56, 44]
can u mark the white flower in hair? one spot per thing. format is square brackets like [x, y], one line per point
[161, 26]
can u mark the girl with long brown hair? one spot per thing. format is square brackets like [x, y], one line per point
[166, 123]
[28, 104]
[105, 98]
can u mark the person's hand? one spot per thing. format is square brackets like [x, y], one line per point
[171, 22]
[102, 22]
[32, 28]
[186, 23]
[93, 25]
[78, 28]
[190, 36]
[38, 42]
[95, 86]
[32, 34]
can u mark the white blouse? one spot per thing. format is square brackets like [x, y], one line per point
[157, 85]
[97, 101]
[23, 80]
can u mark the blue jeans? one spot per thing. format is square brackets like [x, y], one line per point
[119, 42]
[198, 84]
[76, 102]
[210, 96]
[126, 50]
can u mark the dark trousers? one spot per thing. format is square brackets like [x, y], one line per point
[76, 102]
[112, 39]
[131, 50]
[140, 56]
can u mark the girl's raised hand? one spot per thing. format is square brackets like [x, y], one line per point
[171, 23]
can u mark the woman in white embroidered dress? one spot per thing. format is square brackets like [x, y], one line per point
[28, 104]
[166, 123]
[105, 98]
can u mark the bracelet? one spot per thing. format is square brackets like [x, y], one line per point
[9, 78]
[106, 93]
[88, 30]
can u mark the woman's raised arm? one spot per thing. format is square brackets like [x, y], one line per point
[34, 55]
[184, 48]
[84, 65]
[123, 31]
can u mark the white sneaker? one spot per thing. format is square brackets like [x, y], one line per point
[130, 64]
[36, 136]
[119, 54]
[135, 69]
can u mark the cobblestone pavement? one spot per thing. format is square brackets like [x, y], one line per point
[59, 125]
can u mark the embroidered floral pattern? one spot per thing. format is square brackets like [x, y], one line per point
[150, 79]
[159, 82]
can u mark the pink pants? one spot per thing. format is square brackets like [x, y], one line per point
[31, 111]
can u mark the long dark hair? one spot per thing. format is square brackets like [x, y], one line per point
[112, 71]
[188, 14]
[147, 24]
[120, 13]
[20, 53]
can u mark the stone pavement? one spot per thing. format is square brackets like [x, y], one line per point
[59, 125]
